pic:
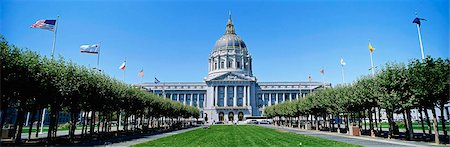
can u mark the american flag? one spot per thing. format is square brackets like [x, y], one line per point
[322, 71]
[45, 24]
[141, 73]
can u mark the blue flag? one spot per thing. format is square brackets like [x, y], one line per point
[417, 20]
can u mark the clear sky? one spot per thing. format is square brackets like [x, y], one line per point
[288, 40]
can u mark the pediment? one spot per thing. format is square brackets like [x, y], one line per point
[230, 76]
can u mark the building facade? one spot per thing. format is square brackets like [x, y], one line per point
[230, 92]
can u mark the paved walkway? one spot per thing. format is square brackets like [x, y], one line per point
[358, 140]
[150, 138]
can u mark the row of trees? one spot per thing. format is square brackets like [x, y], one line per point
[396, 88]
[32, 83]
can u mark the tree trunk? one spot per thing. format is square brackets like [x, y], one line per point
[444, 129]
[408, 123]
[19, 123]
[39, 122]
[317, 123]
[428, 120]
[365, 122]
[339, 120]
[436, 131]
[30, 130]
[421, 121]
[379, 119]
[372, 131]
[376, 118]
[118, 121]
[391, 123]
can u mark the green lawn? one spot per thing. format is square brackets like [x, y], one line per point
[240, 135]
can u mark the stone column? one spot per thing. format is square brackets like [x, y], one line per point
[225, 99]
[234, 97]
[216, 103]
[248, 94]
[244, 97]
[284, 97]
[242, 63]
[290, 96]
[218, 61]
[270, 99]
[198, 100]
[184, 102]
[277, 98]
[192, 99]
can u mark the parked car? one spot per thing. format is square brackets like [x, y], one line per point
[253, 122]
[265, 122]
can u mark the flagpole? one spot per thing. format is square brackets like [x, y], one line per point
[343, 77]
[98, 56]
[420, 40]
[371, 63]
[54, 36]
[53, 52]
[124, 70]
[323, 79]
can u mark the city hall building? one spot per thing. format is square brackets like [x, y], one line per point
[230, 92]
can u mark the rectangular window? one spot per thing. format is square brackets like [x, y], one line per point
[294, 96]
[260, 101]
[266, 99]
[201, 98]
[194, 100]
[229, 64]
[238, 64]
[221, 65]
[221, 95]
[240, 96]
[230, 95]
[280, 97]
[181, 98]
[174, 97]
[188, 99]
[274, 98]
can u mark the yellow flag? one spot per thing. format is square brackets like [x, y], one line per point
[371, 49]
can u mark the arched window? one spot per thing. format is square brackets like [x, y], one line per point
[221, 65]
[231, 116]
[240, 116]
[215, 65]
[221, 116]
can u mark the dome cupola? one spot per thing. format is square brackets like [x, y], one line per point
[230, 54]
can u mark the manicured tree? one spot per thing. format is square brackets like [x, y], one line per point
[366, 90]
[434, 71]
[390, 81]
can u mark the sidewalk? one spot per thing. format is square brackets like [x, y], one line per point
[358, 140]
[150, 137]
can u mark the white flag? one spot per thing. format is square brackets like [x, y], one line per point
[122, 67]
[343, 62]
[91, 49]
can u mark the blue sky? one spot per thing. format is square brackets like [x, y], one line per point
[288, 40]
